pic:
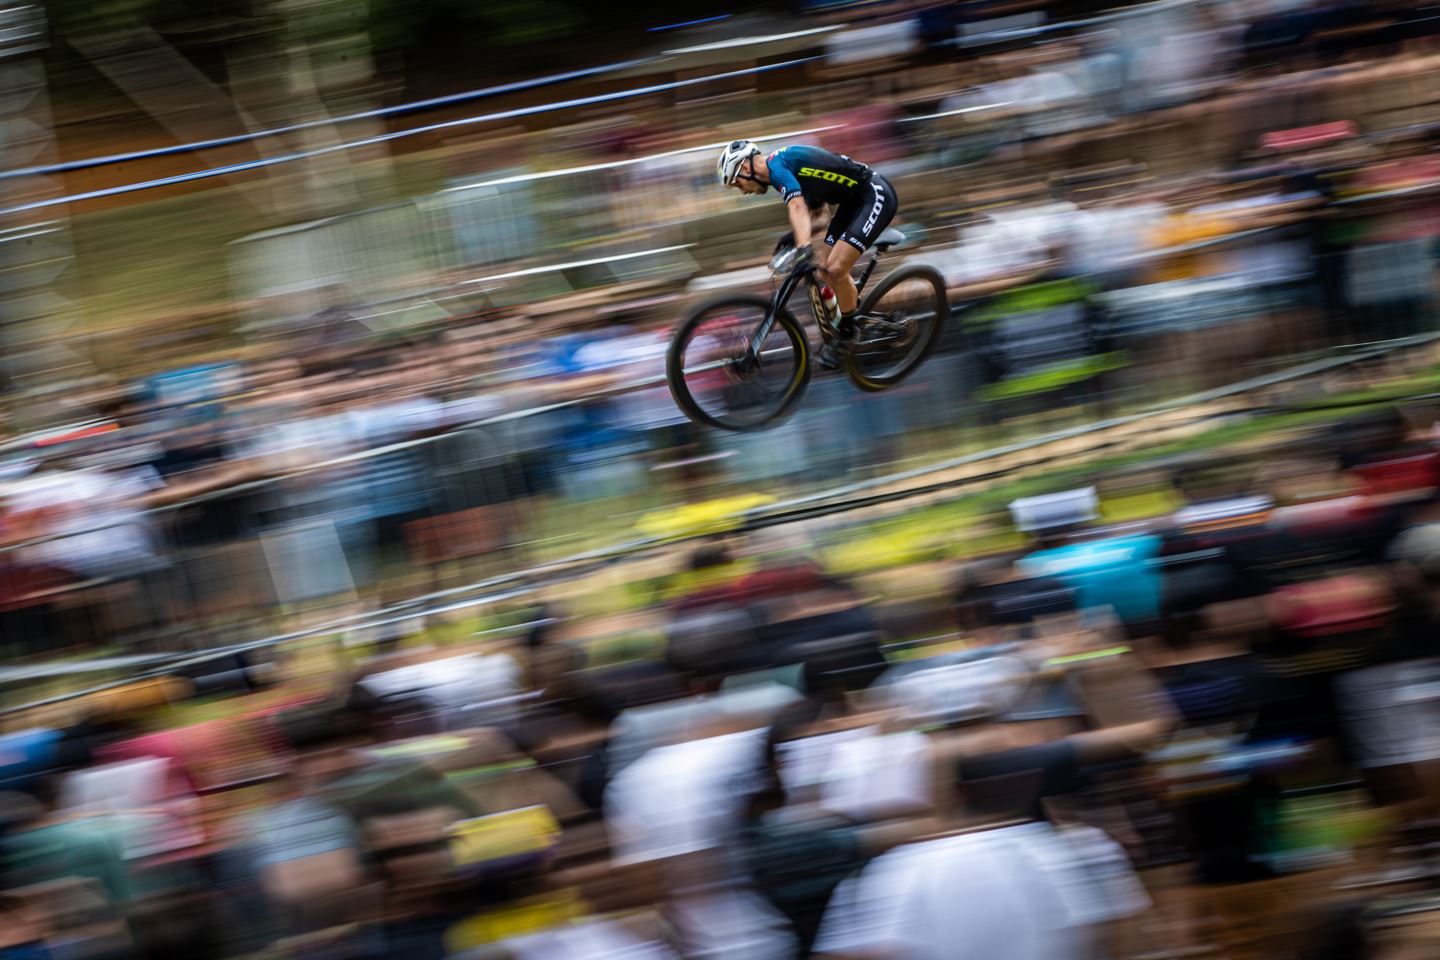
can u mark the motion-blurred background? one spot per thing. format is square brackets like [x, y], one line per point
[363, 591]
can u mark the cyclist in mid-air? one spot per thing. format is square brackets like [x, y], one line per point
[808, 178]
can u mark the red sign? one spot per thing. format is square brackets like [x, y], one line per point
[1308, 136]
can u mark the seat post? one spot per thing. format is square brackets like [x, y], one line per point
[869, 269]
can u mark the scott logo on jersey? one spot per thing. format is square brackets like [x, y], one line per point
[828, 175]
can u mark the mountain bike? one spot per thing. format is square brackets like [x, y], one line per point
[742, 362]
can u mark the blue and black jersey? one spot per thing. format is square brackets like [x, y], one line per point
[865, 200]
[818, 175]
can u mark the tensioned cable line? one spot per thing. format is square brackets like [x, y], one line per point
[396, 135]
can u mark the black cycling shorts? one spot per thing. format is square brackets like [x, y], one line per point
[859, 220]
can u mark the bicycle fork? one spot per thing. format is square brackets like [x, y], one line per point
[757, 339]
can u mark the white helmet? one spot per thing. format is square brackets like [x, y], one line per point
[731, 157]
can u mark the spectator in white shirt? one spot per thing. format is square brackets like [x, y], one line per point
[1015, 891]
[678, 810]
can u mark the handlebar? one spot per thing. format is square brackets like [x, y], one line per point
[791, 260]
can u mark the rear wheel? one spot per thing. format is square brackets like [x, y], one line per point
[898, 325]
[712, 377]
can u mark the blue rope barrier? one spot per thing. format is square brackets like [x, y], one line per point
[387, 137]
[418, 105]
[687, 23]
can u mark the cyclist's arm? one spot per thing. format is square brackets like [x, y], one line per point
[783, 179]
[799, 218]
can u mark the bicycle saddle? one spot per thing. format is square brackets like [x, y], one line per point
[889, 237]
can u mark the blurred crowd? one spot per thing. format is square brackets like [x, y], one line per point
[1216, 732]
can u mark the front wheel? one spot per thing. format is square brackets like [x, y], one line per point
[898, 325]
[716, 382]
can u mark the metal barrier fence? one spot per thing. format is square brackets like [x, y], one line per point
[393, 262]
[528, 219]
[374, 256]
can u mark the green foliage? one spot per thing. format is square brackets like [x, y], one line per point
[1056, 375]
[72, 17]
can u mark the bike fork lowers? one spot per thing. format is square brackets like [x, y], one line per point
[757, 339]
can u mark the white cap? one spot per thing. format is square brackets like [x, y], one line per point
[1051, 510]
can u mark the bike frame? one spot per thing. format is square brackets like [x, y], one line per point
[786, 290]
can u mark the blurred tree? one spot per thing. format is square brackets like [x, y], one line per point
[90, 16]
[406, 24]
[528, 21]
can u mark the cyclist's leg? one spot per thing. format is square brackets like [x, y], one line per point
[869, 214]
[839, 260]
[879, 205]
